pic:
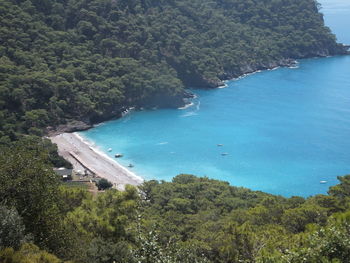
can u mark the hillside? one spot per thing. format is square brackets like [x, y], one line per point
[187, 220]
[87, 61]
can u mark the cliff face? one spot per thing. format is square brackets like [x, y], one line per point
[89, 60]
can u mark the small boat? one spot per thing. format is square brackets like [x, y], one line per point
[131, 165]
[220, 145]
[323, 182]
[109, 149]
[223, 154]
[118, 155]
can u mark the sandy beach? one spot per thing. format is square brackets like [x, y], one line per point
[84, 156]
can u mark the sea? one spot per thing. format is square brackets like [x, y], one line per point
[283, 131]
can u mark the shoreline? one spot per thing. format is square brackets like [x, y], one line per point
[104, 155]
[85, 156]
[82, 125]
[72, 146]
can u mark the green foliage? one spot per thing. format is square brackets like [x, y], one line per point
[296, 219]
[28, 184]
[12, 230]
[149, 249]
[107, 226]
[101, 250]
[53, 156]
[230, 224]
[110, 215]
[72, 197]
[190, 219]
[28, 253]
[342, 190]
[84, 60]
[104, 184]
[327, 244]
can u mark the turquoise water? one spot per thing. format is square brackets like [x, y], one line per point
[283, 130]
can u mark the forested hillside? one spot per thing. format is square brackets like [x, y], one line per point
[65, 60]
[187, 220]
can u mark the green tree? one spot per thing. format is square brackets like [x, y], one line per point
[28, 253]
[28, 183]
[103, 184]
[342, 190]
[12, 230]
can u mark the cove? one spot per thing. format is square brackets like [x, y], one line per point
[283, 130]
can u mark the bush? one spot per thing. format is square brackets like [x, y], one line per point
[103, 184]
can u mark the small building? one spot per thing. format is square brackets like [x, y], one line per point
[64, 173]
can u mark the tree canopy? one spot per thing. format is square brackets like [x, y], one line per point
[77, 60]
[84, 60]
[190, 219]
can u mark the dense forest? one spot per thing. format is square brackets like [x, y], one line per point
[187, 220]
[65, 64]
[76, 60]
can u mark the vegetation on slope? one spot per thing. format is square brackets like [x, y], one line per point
[85, 60]
[187, 220]
[64, 60]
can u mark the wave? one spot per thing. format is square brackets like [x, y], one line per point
[193, 112]
[189, 114]
[93, 147]
[128, 111]
[186, 106]
[223, 86]
[246, 75]
[294, 67]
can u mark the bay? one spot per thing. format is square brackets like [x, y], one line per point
[282, 131]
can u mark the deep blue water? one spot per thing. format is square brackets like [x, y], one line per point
[284, 130]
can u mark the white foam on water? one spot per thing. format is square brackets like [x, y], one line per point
[186, 106]
[93, 147]
[189, 114]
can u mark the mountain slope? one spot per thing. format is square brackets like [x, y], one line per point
[88, 60]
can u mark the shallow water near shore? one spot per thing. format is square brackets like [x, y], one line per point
[282, 131]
